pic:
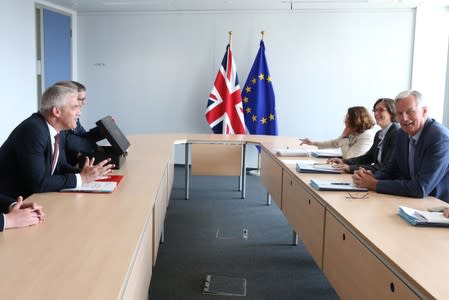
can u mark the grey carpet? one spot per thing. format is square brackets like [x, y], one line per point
[273, 269]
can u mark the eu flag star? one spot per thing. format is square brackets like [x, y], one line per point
[264, 120]
[248, 110]
[245, 99]
[254, 80]
[261, 76]
[271, 117]
[254, 118]
[248, 89]
[269, 78]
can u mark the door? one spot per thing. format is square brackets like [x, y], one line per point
[55, 45]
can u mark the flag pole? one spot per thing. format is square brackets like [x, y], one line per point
[230, 38]
[259, 152]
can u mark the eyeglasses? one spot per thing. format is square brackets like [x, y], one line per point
[409, 112]
[380, 109]
[357, 196]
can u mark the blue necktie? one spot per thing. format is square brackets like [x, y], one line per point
[411, 156]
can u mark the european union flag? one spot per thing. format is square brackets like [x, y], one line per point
[258, 98]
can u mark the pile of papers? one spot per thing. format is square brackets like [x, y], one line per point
[422, 218]
[317, 168]
[105, 185]
[327, 153]
[301, 152]
[94, 187]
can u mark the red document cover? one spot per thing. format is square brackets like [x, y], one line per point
[112, 178]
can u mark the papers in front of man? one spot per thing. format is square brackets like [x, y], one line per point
[422, 218]
[327, 153]
[293, 152]
[317, 168]
[322, 185]
[290, 161]
[94, 187]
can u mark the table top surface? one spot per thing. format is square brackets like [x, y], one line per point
[86, 245]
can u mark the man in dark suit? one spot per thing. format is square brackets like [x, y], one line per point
[384, 140]
[419, 166]
[15, 214]
[33, 160]
[78, 140]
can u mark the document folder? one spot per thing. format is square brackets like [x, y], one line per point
[321, 185]
[327, 153]
[317, 168]
[106, 185]
[422, 218]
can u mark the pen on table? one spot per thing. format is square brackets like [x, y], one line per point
[340, 183]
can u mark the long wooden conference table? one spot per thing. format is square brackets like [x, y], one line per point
[103, 246]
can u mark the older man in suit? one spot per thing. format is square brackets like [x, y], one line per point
[78, 140]
[15, 214]
[33, 159]
[419, 166]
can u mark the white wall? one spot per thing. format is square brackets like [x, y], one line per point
[154, 72]
[17, 64]
[431, 56]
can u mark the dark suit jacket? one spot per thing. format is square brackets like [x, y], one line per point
[5, 202]
[25, 161]
[81, 141]
[369, 159]
[431, 164]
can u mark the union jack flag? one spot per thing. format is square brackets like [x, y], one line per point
[224, 111]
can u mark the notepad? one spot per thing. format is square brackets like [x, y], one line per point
[322, 185]
[422, 218]
[317, 168]
[327, 153]
[106, 185]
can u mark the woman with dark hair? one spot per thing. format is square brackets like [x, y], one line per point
[357, 137]
[382, 148]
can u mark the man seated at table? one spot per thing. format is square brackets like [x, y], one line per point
[419, 166]
[33, 160]
[80, 142]
[15, 214]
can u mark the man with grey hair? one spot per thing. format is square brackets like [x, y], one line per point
[79, 142]
[419, 166]
[33, 160]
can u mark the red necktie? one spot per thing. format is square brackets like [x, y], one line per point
[55, 153]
